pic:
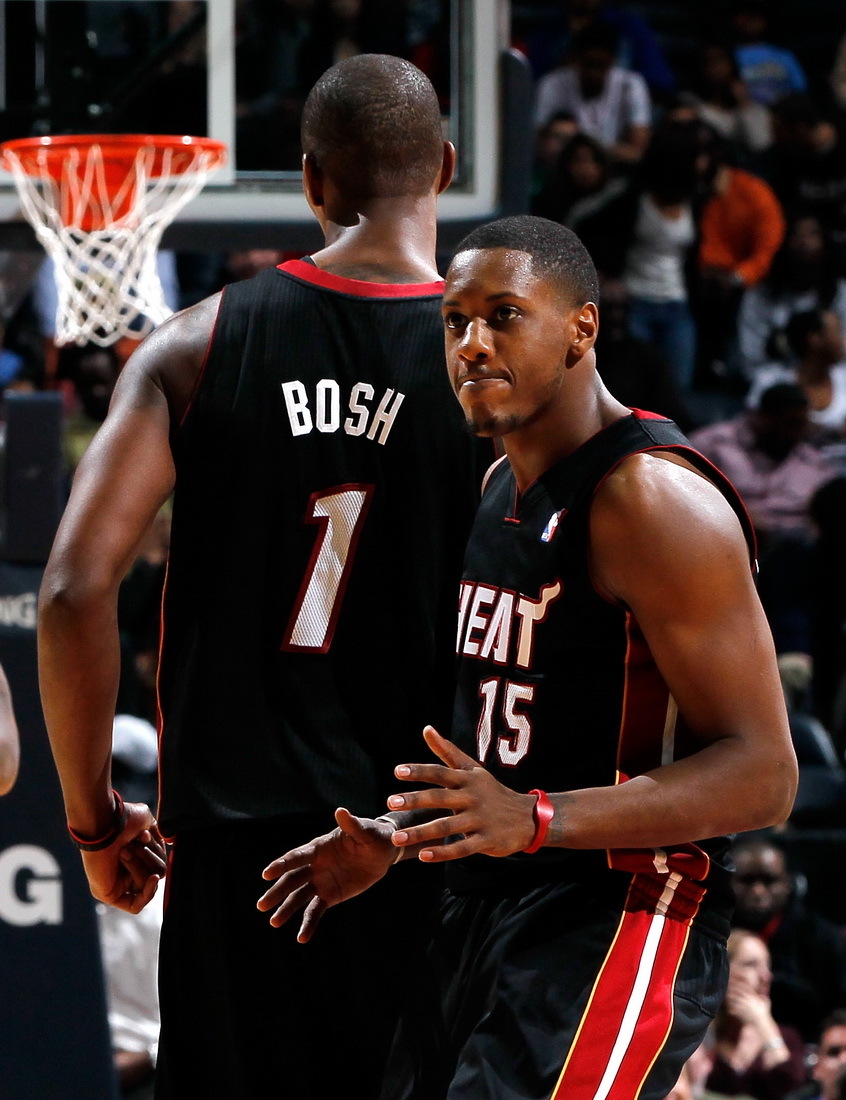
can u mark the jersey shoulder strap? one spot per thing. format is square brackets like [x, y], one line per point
[579, 476]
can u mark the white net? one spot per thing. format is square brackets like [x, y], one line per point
[103, 237]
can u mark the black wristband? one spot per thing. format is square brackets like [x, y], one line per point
[99, 843]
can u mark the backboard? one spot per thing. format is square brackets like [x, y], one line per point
[238, 71]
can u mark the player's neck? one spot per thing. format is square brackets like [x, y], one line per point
[538, 447]
[393, 241]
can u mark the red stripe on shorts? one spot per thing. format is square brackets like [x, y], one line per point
[630, 1010]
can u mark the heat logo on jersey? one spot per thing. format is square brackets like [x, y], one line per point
[323, 412]
[498, 624]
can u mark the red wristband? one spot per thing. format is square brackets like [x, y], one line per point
[105, 841]
[543, 814]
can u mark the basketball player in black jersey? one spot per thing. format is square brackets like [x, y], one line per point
[324, 490]
[613, 651]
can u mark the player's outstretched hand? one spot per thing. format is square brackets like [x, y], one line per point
[489, 817]
[328, 870]
[127, 873]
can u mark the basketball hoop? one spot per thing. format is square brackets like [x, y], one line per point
[99, 204]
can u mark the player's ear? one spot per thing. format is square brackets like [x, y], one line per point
[584, 327]
[447, 167]
[312, 182]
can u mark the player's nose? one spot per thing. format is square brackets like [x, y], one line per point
[476, 345]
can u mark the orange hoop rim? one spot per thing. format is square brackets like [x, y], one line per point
[37, 154]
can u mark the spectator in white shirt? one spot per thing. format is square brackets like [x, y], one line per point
[608, 102]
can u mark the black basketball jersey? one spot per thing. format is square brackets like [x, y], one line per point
[325, 486]
[557, 687]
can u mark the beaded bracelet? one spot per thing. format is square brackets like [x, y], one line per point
[542, 813]
[98, 844]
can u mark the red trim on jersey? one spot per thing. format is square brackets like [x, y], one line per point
[642, 414]
[159, 712]
[202, 371]
[629, 1013]
[310, 273]
[644, 709]
[489, 471]
[640, 743]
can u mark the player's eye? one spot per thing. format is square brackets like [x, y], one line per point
[454, 320]
[506, 313]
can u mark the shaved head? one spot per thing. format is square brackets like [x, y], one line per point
[373, 124]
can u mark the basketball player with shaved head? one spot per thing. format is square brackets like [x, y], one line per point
[323, 490]
[619, 712]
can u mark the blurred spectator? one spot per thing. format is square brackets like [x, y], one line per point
[815, 342]
[244, 263]
[725, 104]
[663, 234]
[770, 72]
[828, 611]
[741, 229]
[551, 141]
[753, 1055]
[803, 276]
[551, 37]
[93, 372]
[807, 166]
[584, 194]
[808, 952]
[694, 1075]
[634, 370]
[608, 102]
[838, 75]
[765, 453]
[45, 300]
[344, 28]
[829, 1069]
[11, 364]
[270, 85]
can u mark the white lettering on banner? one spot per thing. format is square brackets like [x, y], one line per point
[19, 610]
[30, 886]
[376, 422]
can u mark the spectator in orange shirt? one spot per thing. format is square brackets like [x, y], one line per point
[741, 228]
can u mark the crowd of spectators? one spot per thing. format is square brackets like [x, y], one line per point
[712, 198]
[708, 181]
[709, 185]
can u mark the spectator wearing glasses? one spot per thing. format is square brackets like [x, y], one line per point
[828, 1072]
[808, 952]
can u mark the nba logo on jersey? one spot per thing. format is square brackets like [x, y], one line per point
[552, 526]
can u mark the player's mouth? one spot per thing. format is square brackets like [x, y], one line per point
[479, 381]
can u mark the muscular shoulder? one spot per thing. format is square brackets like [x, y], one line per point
[171, 358]
[656, 515]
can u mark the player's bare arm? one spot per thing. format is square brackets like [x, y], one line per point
[124, 478]
[689, 585]
[10, 750]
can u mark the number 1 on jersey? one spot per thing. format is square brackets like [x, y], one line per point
[340, 514]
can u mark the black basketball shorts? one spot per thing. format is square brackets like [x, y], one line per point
[563, 993]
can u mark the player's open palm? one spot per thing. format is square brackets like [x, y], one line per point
[486, 816]
[328, 870]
